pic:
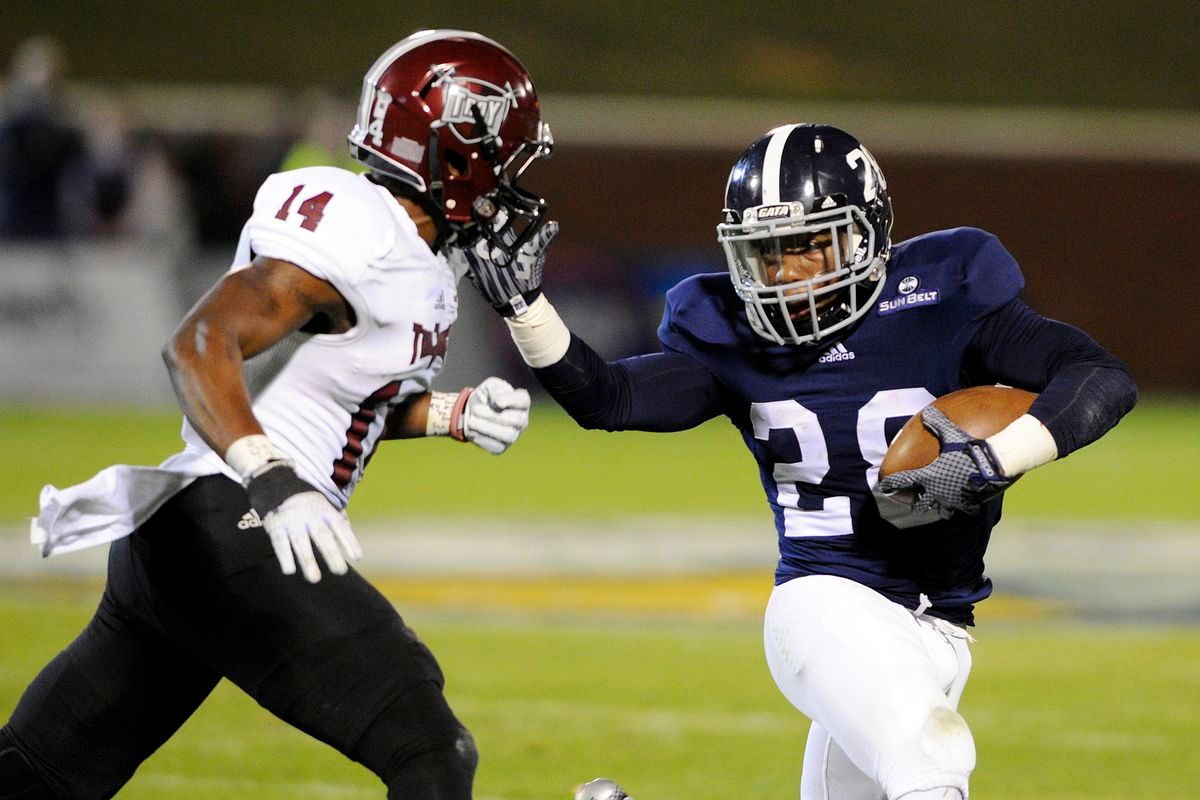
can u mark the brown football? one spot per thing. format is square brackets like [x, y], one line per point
[978, 410]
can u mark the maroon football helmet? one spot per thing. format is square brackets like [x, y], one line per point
[454, 115]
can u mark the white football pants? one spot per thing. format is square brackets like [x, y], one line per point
[880, 685]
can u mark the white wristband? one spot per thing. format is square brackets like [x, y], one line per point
[540, 334]
[249, 453]
[1024, 444]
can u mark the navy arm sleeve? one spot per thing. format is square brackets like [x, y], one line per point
[1083, 389]
[655, 392]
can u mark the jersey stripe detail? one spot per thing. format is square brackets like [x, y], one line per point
[360, 425]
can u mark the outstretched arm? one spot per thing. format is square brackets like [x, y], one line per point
[655, 392]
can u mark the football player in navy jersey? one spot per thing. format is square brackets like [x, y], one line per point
[322, 341]
[827, 338]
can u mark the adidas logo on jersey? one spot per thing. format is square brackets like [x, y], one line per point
[837, 353]
[249, 520]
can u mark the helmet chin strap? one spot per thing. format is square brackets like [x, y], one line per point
[435, 200]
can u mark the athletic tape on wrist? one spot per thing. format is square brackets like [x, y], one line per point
[249, 453]
[540, 334]
[445, 416]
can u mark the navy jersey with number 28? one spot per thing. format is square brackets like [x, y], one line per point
[819, 420]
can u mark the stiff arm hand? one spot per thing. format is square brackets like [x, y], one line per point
[510, 284]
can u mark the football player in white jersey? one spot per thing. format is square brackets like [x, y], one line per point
[321, 341]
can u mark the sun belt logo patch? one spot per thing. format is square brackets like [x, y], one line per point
[909, 297]
[460, 96]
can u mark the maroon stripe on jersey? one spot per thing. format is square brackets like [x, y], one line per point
[360, 423]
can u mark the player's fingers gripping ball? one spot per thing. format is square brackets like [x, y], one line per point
[940, 464]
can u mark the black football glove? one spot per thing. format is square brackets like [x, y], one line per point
[963, 477]
[510, 284]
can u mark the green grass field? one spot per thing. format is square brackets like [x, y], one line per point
[679, 707]
[1136, 472]
[660, 683]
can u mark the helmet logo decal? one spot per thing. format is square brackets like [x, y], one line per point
[774, 212]
[870, 192]
[406, 149]
[458, 102]
[378, 111]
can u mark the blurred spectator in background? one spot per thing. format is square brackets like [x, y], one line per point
[322, 137]
[159, 211]
[39, 148]
[107, 172]
[54, 180]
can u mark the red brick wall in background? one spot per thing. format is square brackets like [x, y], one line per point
[1109, 246]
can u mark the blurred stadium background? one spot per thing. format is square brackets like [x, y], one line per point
[595, 599]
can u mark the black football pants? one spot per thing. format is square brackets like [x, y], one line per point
[191, 598]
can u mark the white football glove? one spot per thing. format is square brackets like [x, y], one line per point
[495, 414]
[296, 516]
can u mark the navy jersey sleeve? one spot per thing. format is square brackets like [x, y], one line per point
[1083, 389]
[669, 391]
[654, 392]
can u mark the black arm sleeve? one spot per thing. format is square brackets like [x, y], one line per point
[1083, 389]
[656, 392]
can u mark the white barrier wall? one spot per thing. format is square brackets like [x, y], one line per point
[85, 323]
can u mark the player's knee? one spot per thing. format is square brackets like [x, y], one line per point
[938, 765]
[18, 779]
[442, 770]
[947, 741]
[419, 748]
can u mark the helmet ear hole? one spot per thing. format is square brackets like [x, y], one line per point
[459, 164]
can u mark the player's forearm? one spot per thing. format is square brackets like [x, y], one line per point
[409, 420]
[1083, 390]
[206, 374]
[1084, 401]
[428, 414]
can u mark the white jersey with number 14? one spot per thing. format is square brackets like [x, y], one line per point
[323, 398]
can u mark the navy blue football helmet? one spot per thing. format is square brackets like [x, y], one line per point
[797, 185]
